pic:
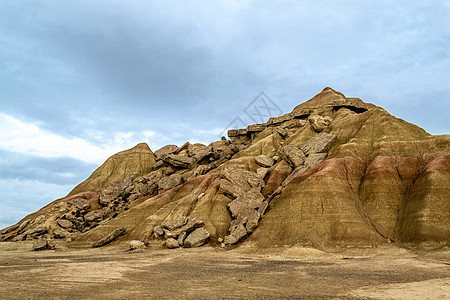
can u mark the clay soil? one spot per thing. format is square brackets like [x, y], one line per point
[208, 273]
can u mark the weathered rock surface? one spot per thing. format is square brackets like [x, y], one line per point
[264, 161]
[174, 223]
[197, 238]
[109, 238]
[292, 155]
[237, 233]
[64, 223]
[40, 244]
[176, 231]
[38, 230]
[80, 203]
[172, 243]
[319, 143]
[319, 123]
[179, 161]
[237, 181]
[251, 199]
[137, 245]
[96, 215]
[169, 149]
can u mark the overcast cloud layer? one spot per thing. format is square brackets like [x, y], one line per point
[82, 80]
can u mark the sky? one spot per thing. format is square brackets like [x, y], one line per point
[82, 80]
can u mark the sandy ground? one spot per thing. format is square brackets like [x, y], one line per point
[207, 273]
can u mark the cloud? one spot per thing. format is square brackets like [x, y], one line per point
[19, 198]
[26, 138]
[55, 170]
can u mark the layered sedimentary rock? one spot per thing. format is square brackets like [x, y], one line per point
[334, 172]
[135, 162]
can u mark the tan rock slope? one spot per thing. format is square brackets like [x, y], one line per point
[136, 161]
[335, 172]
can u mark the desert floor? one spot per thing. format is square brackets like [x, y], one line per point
[208, 273]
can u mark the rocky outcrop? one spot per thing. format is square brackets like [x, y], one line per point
[182, 231]
[334, 172]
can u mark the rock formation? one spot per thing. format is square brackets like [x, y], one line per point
[334, 172]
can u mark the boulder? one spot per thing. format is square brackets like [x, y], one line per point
[319, 123]
[253, 218]
[174, 223]
[248, 217]
[202, 154]
[51, 244]
[264, 161]
[169, 182]
[64, 223]
[59, 234]
[172, 243]
[158, 231]
[79, 203]
[37, 231]
[314, 159]
[262, 172]
[237, 233]
[194, 149]
[95, 215]
[136, 245]
[292, 155]
[281, 131]
[230, 189]
[179, 161]
[242, 178]
[109, 238]
[197, 238]
[192, 223]
[181, 238]
[40, 244]
[169, 149]
[251, 199]
[19, 238]
[319, 144]
[110, 192]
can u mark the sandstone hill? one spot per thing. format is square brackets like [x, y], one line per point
[334, 172]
